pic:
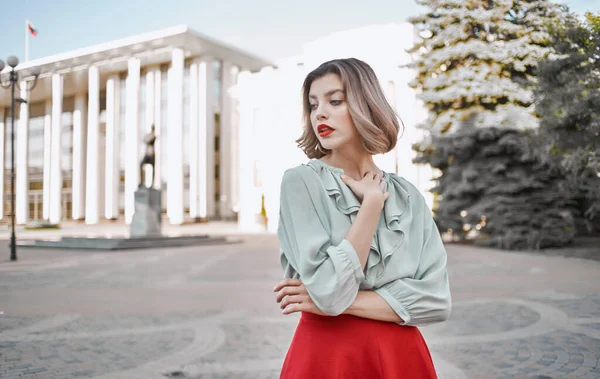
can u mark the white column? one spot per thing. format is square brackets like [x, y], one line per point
[55, 153]
[150, 112]
[248, 211]
[47, 157]
[175, 139]
[79, 157]
[224, 143]
[112, 177]
[226, 139]
[149, 120]
[22, 160]
[235, 142]
[193, 141]
[92, 196]
[2, 135]
[157, 126]
[206, 140]
[132, 128]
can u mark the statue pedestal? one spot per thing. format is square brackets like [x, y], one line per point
[146, 220]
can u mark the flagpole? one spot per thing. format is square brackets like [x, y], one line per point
[26, 40]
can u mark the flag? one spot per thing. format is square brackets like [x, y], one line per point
[31, 29]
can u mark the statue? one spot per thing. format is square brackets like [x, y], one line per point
[149, 139]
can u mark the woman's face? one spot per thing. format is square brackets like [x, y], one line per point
[329, 113]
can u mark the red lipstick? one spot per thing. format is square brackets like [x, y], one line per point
[324, 130]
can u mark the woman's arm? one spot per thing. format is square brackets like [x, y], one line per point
[330, 271]
[369, 304]
[420, 300]
[330, 274]
[370, 190]
[293, 295]
[363, 228]
[424, 297]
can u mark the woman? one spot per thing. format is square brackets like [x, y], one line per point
[362, 257]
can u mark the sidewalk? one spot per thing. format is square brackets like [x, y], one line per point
[209, 312]
[120, 229]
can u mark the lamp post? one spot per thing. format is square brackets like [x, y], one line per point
[13, 81]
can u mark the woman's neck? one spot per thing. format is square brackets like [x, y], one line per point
[355, 165]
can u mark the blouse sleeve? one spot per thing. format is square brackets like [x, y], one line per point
[425, 298]
[330, 272]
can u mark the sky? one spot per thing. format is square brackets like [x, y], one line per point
[267, 28]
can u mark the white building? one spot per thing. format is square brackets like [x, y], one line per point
[79, 138]
[225, 121]
[271, 112]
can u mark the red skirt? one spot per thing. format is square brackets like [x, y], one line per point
[345, 346]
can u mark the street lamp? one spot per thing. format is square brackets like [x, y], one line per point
[13, 80]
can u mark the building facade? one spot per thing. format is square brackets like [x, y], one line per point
[79, 137]
[226, 124]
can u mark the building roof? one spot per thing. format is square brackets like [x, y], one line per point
[151, 48]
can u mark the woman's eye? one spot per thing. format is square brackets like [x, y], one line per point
[313, 107]
[335, 102]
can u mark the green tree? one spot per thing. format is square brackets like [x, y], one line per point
[476, 61]
[568, 102]
[476, 67]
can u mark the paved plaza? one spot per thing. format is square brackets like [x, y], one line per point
[209, 312]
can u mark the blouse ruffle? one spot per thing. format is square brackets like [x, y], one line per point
[397, 215]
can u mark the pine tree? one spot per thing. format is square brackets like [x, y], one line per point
[477, 59]
[568, 101]
[476, 67]
[495, 187]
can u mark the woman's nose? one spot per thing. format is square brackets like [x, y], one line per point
[320, 113]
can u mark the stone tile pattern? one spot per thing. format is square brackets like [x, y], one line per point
[126, 342]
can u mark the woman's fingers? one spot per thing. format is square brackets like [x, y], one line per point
[287, 291]
[292, 299]
[292, 308]
[366, 184]
[286, 283]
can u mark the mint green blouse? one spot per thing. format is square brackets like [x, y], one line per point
[406, 265]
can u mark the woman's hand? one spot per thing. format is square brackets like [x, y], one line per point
[371, 185]
[293, 297]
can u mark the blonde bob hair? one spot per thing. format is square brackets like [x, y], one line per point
[375, 120]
